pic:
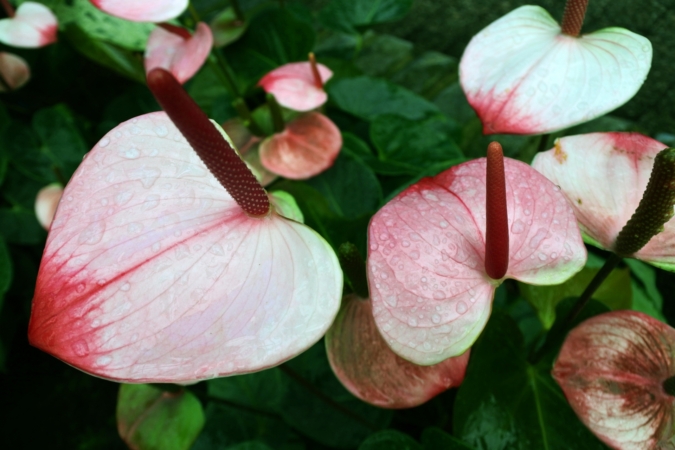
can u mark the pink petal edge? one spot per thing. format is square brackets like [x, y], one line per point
[34, 25]
[368, 368]
[611, 369]
[152, 273]
[294, 87]
[142, 11]
[431, 296]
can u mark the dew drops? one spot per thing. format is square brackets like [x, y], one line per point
[384, 275]
[539, 236]
[122, 198]
[412, 322]
[125, 287]
[554, 255]
[104, 142]
[384, 236]
[443, 224]
[462, 308]
[542, 257]
[373, 246]
[415, 237]
[135, 227]
[161, 131]
[80, 348]
[439, 295]
[103, 361]
[217, 249]
[414, 254]
[527, 212]
[391, 301]
[92, 234]
[104, 201]
[151, 201]
[518, 227]
[436, 318]
[96, 323]
[131, 153]
[80, 288]
[405, 244]
[156, 246]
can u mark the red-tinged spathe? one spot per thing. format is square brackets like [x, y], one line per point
[612, 368]
[143, 10]
[294, 85]
[34, 25]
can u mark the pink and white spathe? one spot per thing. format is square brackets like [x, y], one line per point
[523, 75]
[295, 85]
[427, 255]
[367, 367]
[33, 25]
[612, 369]
[153, 273]
[142, 11]
[603, 175]
[46, 202]
[182, 56]
[14, 71]
[306, 147]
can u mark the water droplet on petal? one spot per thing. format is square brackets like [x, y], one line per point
[104, 142]
[80, 288]
[161, 131]
[391, 300]
[414, 254]
[412, 322]
[518, 227]
[92, 234]
[439, 295]
[103, 361]
[436, 318]
[80, 348]
[462, 308]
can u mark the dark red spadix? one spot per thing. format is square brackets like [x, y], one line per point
[315, 71]
[179, 31]
[216, 153]
[573, 17]
[497, 221]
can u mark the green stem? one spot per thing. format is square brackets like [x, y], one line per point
[581, 302]
[245, 115]
[237, 10]
[275, 111]
[354, 267]
[543, 140]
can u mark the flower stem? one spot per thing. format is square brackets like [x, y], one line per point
[497, 221]
[220, 158]
[354, 267]
[237, 10]
[573, 17]
[245, 114]
[275, 111]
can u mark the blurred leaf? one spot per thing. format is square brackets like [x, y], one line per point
[20, 190]
[390, 440]
[429, 74]
[134, 101]
[101, 26]
[343, 421]
[122, 61]
[383, 54]
[348, 15]
[25, 153]
[350, 187]
[507, 403]
[208, 91]
[336, 44]
[409, 146]
[252, 445]
[615, 292]
[5, 272]
[20, 226]
[646, 296]
[367, 98]
[226, 28]
[262, 390]
[435, 438]
[149, 418]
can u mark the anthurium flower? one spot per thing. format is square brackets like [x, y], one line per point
[439, 249]
[174, 49]
[604, 176]
[142, 11]
[306, 147]
[33, 25]
[152, 272]
[299, 85]
[368, 368]
[14, 71]
[524, 74]
[46, 202]
[617, 370]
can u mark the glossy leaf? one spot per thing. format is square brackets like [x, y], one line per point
[14, 71]
[226, 28]
[522, 75]
[149, 418]
[604, 175]
[612, 368]
[147, 11]
[163, 266]
[367, 367]
[434, 438]
[390, 440]
[262, 390]
[182, 57]
[431, 294]
[20, 226]
[347, 15]
[46, 202]
[33, 25]
[294, 85]
[506, 403]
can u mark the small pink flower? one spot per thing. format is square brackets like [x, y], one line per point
[142, 11]
[182, 55]
[46, 202]
[297, 85]
[306, 147]
[14, 71]
[368, 368]
[603, 175]
[613, 369]
[431, 279]
[524, 75]
[33, 25]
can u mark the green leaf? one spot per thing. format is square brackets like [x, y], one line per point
[226, 28]
[348, 15]
[251, 445]
[646, 296]
[410, 146]
[429, 74]
[104, 27]
[351, 187]
[5, 273]
[615, 292]
[435, 438]
[261, 390]
[20, 226]
[390, 440]
[149, 418]
[383, 54]
[122, 61]
[367, 98]
[25, 153]
[208, 91]
[335, 417]
[507, 403]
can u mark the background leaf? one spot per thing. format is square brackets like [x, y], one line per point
[347, 15]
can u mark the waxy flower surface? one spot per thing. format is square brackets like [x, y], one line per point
[306, 147]
[153, 272]
[427, 255]
[33, 25]
[14, 71]
[297, 86]
[604, 176]
[523, 75]
[614, 369]
[367, 367]
[142, 11]
[178, 52]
